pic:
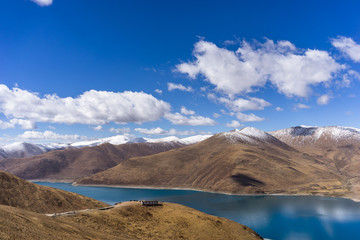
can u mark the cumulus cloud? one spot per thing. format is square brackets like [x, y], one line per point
[291, 70]
[302, 106]
[5, 125]
[347, 78]
[178, 119]
[175, 86]
[279, 109]
[120, 130]
[240, 104]
[216, 115]
[323, 99]
[98, 128]
[23, 123]
[234, 124]
[158, 91]
[43, 2]
[347, 46]
[186, 111]
[92, 107]
[49, 135]
[248, 117]
[160, 131]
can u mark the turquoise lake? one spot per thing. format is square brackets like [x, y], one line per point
[273, 217]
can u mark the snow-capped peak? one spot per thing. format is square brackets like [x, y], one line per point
[16, 146]
[164, 139]
[247, 134]
[254, 132]
[301, 135]
[193, 139]
[21, 149]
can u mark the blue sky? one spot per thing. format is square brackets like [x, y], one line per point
[83, 69]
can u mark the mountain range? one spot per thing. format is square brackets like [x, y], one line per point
[24, 149]
[297, 160]
[239, 161]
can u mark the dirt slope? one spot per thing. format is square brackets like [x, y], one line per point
[22, 194]
[133, 221]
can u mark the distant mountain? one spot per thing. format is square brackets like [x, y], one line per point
[240, 161]
[318, 136]
[20, 149]
[23, 149]
[69, 164]
[19, 193]
[338, 147]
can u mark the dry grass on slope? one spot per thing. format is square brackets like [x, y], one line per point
[19, 193]
[133, 221]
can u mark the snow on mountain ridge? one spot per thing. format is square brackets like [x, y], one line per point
[194, 139]
[300, 135]
[21, 149]
[248, 134]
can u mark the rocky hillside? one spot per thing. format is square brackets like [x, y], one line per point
[19, 193]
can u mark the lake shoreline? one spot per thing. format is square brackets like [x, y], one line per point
[208, 191]
[74, 183]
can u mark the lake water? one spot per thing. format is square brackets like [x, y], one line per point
[273, 217]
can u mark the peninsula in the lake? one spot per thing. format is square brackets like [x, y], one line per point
[31, 211]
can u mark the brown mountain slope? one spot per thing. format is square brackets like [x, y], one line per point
[245, 161]
[126, 221]
[19, 193]
[70, 164]
[338, 147]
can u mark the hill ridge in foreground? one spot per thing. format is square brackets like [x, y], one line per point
[20, 193]
[132, 221]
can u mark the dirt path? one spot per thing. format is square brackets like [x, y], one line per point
[118, 205]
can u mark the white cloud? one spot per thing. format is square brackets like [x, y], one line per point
[178, 119]
[6, 125]
[52, 127]
[302, 106]
[92, 107]
[216, 115]
[347, 46]
[43, 2]
[279, 109]
[175, 86]
[23, 123]
[120, 130]
[186, 111]
[49, 135]
[248, 117]
[347, 78]
[97, 128]
[323, 99]
[158, 91]
[240, 104]
[160, 131]
[291, 70]
[234, 124]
